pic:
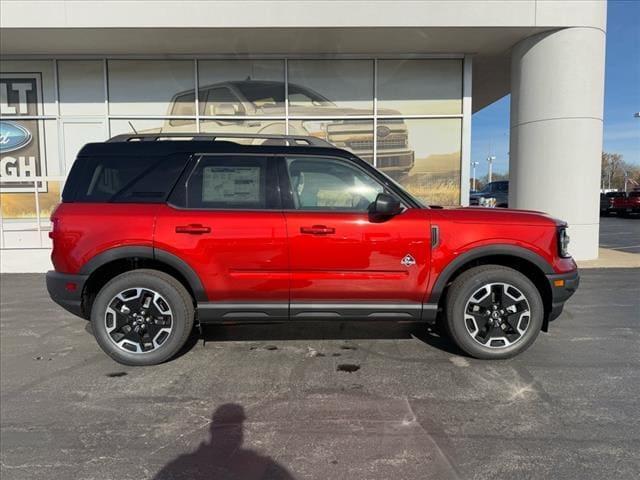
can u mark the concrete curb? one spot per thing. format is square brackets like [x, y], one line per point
[608, 258]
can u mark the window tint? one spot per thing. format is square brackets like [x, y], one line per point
[328, 184]
[123, 179]
[501, 187]
[242, 183]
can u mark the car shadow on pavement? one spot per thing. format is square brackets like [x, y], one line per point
[360, 330]
[222, 456]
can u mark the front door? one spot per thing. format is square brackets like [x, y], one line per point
[224, 219]
[344, 262]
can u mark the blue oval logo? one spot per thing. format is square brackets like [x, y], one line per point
[13, 136]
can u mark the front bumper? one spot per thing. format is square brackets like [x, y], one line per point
[563, 286]
[66, 290]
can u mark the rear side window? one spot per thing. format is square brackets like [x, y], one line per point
[123, 179]
[229, 182]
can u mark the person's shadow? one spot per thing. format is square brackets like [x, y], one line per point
[222, 457]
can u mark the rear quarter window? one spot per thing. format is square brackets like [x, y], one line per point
[123, 179]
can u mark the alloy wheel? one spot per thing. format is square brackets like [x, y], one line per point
[138, 320]
[497, 315]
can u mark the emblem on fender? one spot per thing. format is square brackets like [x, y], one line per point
[408, 260]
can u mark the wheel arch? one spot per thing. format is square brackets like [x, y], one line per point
[106, 265]
[529, 263]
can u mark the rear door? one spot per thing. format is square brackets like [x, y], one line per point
[344, 262]
[224, 220]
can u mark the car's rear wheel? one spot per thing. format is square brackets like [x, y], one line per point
[142, 317]
[493, 312]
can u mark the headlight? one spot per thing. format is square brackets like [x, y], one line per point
[563, 242]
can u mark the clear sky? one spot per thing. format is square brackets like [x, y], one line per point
[490, 127]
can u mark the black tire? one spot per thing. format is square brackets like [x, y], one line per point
[171, 290]
[468, 284]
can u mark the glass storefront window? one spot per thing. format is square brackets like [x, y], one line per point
[353, 135]
[251, 127]
[428, 165]
[419, 87]
[81, 84]
[156, 125]
[330, 88]
[241, 87]
[151, 87]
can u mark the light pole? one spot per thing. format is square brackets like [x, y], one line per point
[474, 165]
[490, 161]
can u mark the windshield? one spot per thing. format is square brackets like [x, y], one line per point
[396, 184]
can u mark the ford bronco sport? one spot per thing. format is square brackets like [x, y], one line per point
[156, 233]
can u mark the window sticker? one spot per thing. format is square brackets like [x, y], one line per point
[231, 184]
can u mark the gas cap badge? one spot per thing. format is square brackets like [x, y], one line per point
[408, 260]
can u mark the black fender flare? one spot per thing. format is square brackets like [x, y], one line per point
[486, 251]
[150, 253]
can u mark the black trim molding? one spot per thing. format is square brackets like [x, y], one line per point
[486, 251]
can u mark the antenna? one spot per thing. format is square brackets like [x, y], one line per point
[132, 127]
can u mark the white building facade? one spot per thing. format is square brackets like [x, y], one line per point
[395, 82]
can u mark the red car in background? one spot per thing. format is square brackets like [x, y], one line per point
[625, 206]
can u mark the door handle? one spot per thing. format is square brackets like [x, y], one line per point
[193, 229]
[318, 230]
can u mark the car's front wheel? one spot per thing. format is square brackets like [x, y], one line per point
[493, 312]
[142, 317]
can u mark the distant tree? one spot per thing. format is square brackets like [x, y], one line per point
[615, 171]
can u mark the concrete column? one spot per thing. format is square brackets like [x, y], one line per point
[557, 95]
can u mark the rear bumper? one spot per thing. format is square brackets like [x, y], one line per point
[66, 290]
[563, 286]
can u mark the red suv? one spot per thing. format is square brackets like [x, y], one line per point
[155, 234]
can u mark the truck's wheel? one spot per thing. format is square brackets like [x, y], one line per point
[142, 317]
[493, 312]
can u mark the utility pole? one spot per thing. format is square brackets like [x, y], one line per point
[474, 165]
[490, 161]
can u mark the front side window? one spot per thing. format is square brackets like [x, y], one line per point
[221, 182]
[330, 184]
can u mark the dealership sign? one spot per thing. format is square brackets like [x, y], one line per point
[21, 132]
[13, 136]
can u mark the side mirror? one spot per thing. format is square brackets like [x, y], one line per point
[385, 206]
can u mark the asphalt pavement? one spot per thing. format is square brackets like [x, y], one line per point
[621, 234]
[332, 401]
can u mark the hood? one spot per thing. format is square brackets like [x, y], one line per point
[498, 216]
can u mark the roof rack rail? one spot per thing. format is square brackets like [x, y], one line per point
[212, 137]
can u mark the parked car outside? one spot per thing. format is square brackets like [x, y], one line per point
[627, 205]
[493, 194]
[153, 237]
[606, 202]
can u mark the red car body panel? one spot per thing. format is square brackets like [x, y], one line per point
[243, 257]
[265, 256]
[81, 231]
[358, 259]
[623, 203]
